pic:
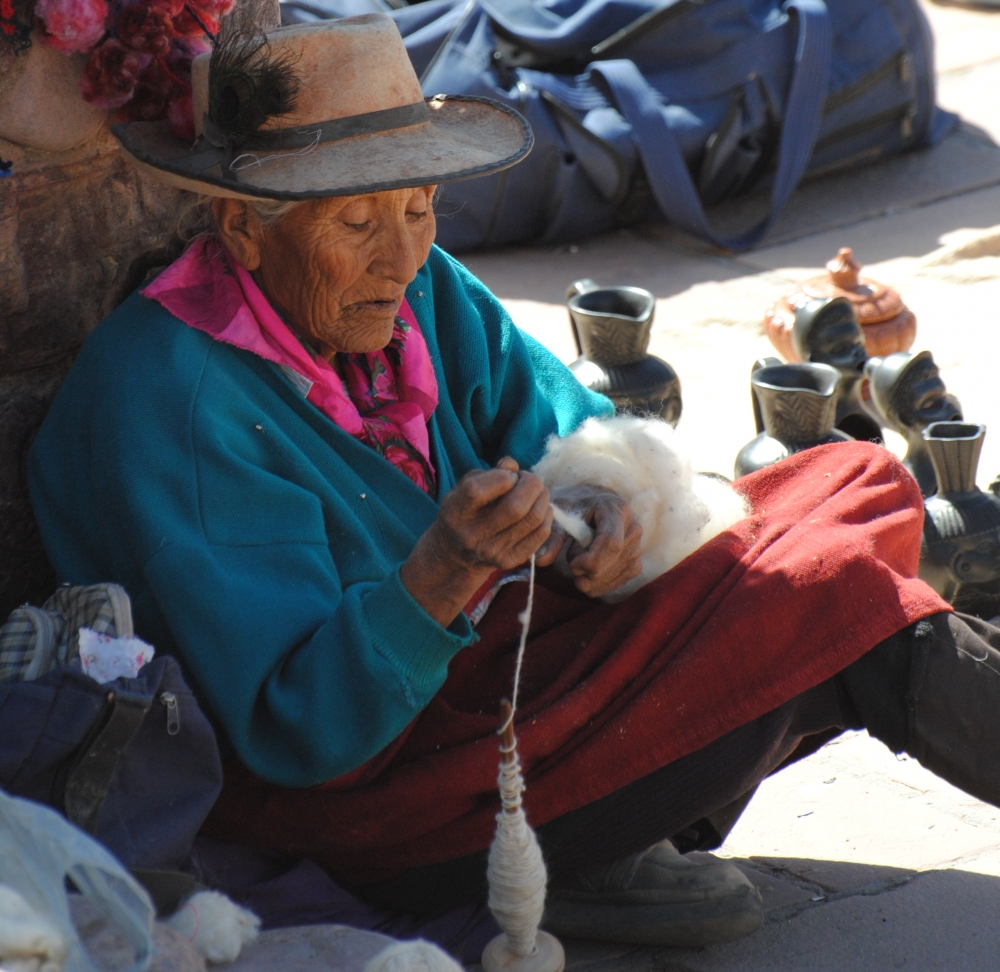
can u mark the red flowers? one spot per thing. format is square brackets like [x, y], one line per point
[156, 89]
[146, 28]
[70, 26]
[111, 74]
[139, 51]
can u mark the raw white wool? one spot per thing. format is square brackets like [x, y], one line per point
[412, 956]
[643, 460]
[28, 939]
[217, 927]
[574, 525]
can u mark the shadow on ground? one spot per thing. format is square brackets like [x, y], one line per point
[832, 211]
[831, 916]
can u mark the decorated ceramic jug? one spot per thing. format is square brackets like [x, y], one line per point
[797, 408]
[611, 326]
[960, 553]
[888, 324]
[908, 393]
[826, 331]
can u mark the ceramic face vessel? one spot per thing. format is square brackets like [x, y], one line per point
[611, 326]
[826, 331]
[888, 324]
[797, 407]
[960, 553]
[909, 395]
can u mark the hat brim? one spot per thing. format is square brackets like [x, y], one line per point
[465, 138]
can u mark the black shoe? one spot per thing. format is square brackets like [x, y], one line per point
[658, 897]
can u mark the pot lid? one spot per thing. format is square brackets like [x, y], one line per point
[873, 302]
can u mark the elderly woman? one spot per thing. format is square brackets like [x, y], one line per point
[303, 449]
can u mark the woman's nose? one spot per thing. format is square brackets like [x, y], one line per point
[395, 255]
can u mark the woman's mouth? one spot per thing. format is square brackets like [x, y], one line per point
[376, 306]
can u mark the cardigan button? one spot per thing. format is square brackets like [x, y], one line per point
[420, 293]
[259, 428]
[362, 495]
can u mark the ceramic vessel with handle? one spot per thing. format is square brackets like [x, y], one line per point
[960, 553]
[798, 406]
[611, 326]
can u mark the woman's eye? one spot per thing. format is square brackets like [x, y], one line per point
[358, 226]
[415, 215]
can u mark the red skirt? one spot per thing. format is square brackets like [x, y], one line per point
[822, 570]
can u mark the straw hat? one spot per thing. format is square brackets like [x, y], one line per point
[325, 109]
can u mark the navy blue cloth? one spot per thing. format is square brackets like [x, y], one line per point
[133, 762]
[669, 105]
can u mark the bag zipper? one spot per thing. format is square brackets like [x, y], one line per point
[900, 64]
[173, 713]
[903, 116]
[650, 20]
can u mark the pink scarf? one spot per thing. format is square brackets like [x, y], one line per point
[386, 397]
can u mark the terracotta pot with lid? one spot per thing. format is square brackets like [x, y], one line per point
[888, 324]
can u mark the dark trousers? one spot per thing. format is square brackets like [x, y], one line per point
[931, 690]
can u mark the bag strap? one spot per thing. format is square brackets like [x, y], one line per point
[89, 781]
[664, 163]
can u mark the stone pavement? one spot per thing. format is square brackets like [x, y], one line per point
[864, 861]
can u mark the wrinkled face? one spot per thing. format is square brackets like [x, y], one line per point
[336, 268]
[835, 338]
[921, 398]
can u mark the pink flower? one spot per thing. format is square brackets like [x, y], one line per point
[111, 74]
[71, 26]
[181, 115]
[146, 27]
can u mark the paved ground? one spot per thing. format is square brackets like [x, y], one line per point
[865, 862]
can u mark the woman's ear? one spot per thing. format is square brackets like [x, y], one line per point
[238, 230]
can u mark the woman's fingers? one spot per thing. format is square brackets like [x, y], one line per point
[609, 584]
[521, 551]
[517, 542]
[611, 520]
[616, 561]
[549, 551]
[477, 490]
[499, 516]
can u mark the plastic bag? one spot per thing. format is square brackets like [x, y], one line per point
[39, 850]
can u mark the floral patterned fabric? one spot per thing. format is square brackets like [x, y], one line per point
[385, 398]
[372, 381]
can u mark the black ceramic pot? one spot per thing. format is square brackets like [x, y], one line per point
[908, 393]
[826, 331]
[960, 553]
[798, 406]
[612, 327]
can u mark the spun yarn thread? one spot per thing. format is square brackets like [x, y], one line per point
[516, 871]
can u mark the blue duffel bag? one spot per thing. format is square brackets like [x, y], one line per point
[639, 105]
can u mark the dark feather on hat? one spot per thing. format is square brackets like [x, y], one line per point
[248, 84]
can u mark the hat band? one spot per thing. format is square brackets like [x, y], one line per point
[224, 148]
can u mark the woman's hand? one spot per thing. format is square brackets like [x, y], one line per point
[493, 518]
[613, 556]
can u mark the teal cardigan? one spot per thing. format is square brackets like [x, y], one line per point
[259, 542]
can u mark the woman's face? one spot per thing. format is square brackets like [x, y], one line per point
[336, 268]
